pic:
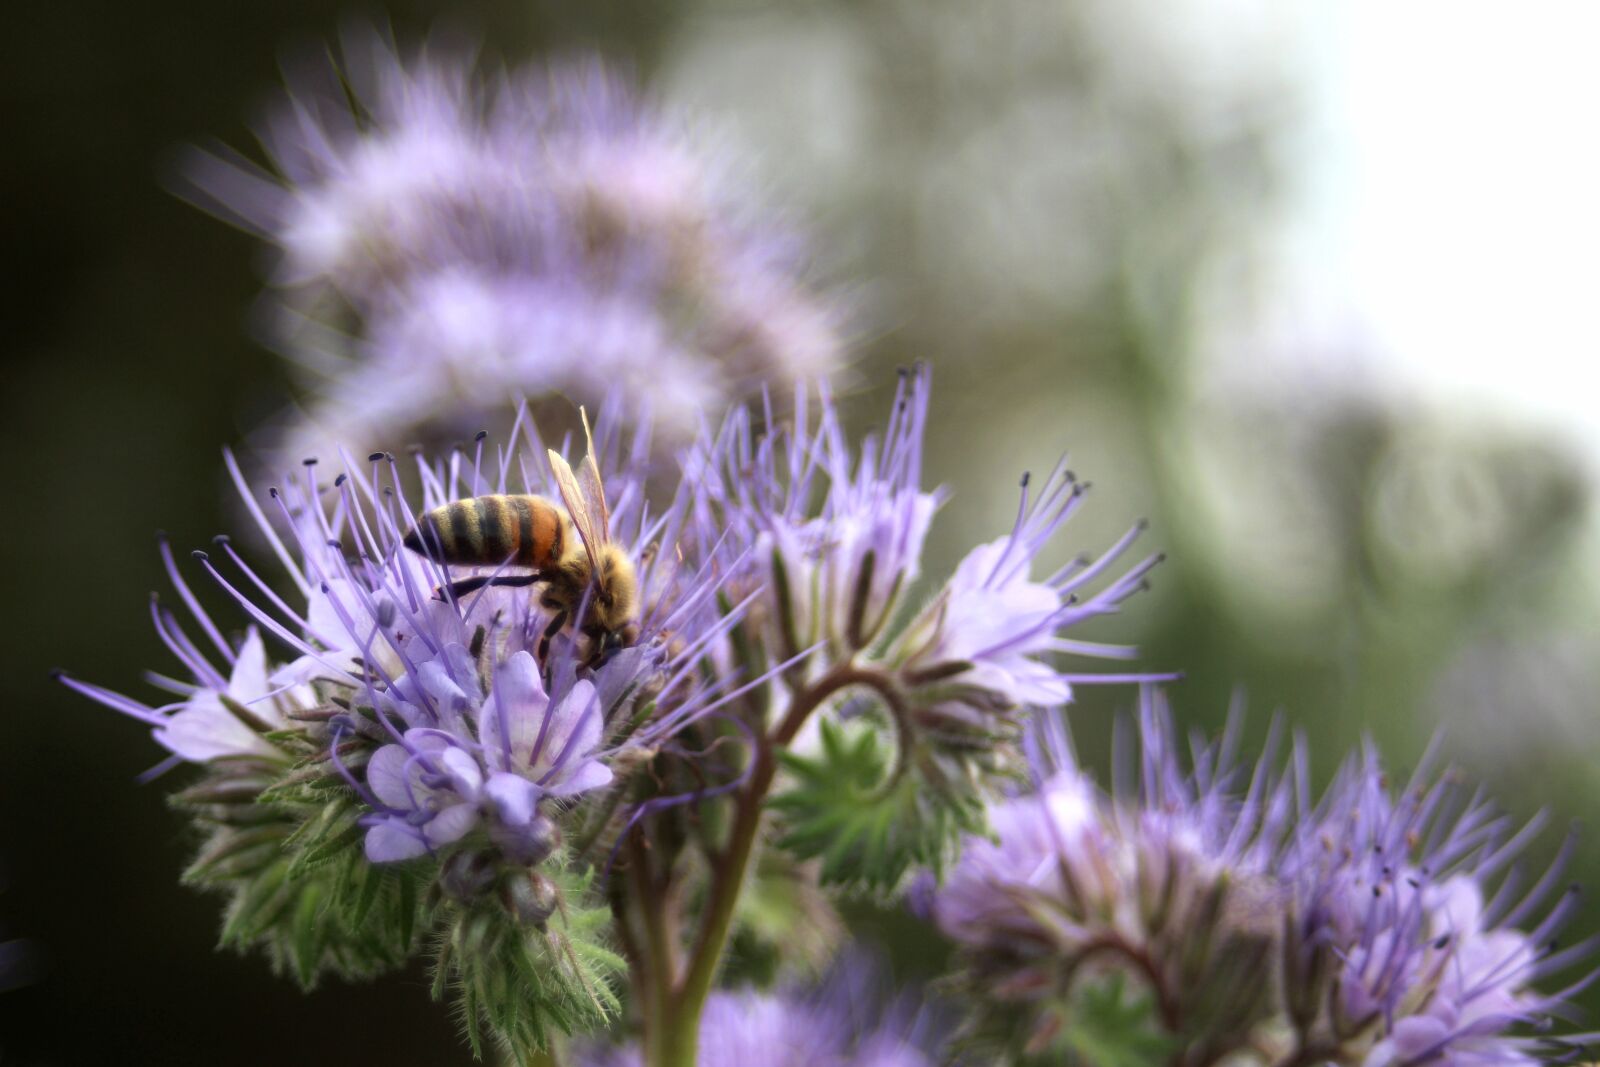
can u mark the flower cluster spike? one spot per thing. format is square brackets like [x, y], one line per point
[398, 747]
[451, 237]
[833, 537]
[1350, 931]
[409, 756]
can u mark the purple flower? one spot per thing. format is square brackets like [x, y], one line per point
[1354, 931]
[982, 646]
[1401, 911]
[546, 232]
[835, 536]
[435, 788]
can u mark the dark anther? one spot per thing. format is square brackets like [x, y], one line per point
[480, 435]
[1161, 557]
[1377, 891]
[1069, 476]
[1025, 476]
[325, 587]
[221, 539]
[374, 457]
[336, 545]
[199, 554]
[309, 461]
[1413, 883]
[1442, 942]
[1142, 524]
[57, 674]
[339, 480]
[272, 491]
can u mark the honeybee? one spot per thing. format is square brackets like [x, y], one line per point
[569, 552]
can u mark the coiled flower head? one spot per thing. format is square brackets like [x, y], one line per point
[831, 539]
[1214, 909]
[463, 738]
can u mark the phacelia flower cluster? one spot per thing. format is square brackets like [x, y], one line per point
[1371, 927]
[449, 240]
[831, 542]
[424, 732]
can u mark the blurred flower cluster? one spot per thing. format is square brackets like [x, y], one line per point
[1211, 909]
[448, 239]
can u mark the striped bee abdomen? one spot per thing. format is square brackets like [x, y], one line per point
[489, 530]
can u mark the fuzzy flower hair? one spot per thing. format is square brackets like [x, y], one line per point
[1368, 928]
[448, 240]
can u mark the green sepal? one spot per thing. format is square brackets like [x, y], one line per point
[299, 888]
[524, 986]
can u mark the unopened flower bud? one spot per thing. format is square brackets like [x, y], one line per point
[466, 875]
[529, 844]
[531, 897]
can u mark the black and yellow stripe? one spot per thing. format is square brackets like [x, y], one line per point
[529, 531]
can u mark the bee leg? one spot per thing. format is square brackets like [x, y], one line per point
[550, 631]
[602, 647]
[457, 590]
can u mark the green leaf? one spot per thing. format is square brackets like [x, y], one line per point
[1109, 1025]
[866, 821]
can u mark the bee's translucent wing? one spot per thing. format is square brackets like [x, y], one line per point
[594, 493]
[577, 506]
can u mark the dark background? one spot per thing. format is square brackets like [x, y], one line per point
[131, 360]
[129, 363]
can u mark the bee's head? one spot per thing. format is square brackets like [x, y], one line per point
[613, 597]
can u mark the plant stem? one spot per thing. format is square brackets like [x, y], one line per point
[677, 1043]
